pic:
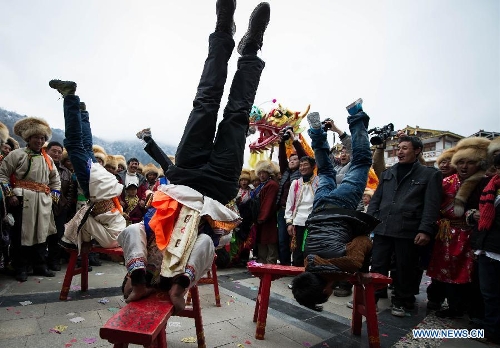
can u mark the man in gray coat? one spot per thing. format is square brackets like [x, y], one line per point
[407, 202]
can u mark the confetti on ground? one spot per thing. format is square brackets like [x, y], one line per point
[77, 319]
[248, 342]
[385, 335]
[99, 273]
[113, 309]
[10, 308]
[70, 314]
[254, 288]
[233, 336]
[89, 340]
[306, 344]
[103, 300]
[25, 303]
[325, 345]
[237, 287]
[188, 340]
[58, 329]
[239, 345]
[76, 287]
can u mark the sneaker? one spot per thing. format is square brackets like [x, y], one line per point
[342, 292]
[398, 311]
[146, 132]
[53, 266]
[21, 276]
[355, 107]
[259, 19]
[225, 12]
[314, 120]
[43, 271]
[350, 304]
[63, 87]
[290, 286]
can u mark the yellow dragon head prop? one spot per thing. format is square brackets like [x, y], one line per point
[269, 125]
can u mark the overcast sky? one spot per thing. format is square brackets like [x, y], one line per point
[431, 63]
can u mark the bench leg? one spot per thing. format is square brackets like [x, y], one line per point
[198, 322]
[68, 277]
[357, 318]
[264, 292]
[160, 340]
[84, 271]
[216, 284]
[371, 317]
[257, 303]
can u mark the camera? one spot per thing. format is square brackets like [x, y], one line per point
[381, 134]
[326, 126]
[286, 136]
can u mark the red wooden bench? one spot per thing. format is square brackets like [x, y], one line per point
[363, 305]
[83, 270]
[144, 322]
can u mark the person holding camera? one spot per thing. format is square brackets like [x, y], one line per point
[289, 168]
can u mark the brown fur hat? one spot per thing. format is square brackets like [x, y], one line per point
[99, 152]
[446, 155]
[253, 176]
[150, 168]
[245, 174]
[30, 126]
[264, 166]
[4, 133]
[121, 160]
[13, 143]
[140, 168]
[64, 156]
[112, 162]
[474, 149]
[494, 146]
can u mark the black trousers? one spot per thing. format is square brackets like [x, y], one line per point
[298, 254]
[55, 250]
[406, 256]
[23, 256]
[207, 161]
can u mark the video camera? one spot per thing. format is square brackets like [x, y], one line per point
[381, 134]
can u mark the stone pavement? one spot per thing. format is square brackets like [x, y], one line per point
[288, 324]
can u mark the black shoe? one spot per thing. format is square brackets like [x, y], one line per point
[225, 12]
[21, 276]
[69, 246]
[94, 261]
[43, 271]
[79, 264]
[63, 87]
[259, 19]
[449, 313]
[53, 266]
[433, 306]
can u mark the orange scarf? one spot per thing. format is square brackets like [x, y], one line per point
[163, 221]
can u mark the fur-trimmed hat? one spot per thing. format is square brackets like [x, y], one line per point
[446, 155]
[245, 174]
[264, 166]
[253, 176]
[494, 146]
[13, 143]
[121, 160]
[150, 168]
[140, 168]
[100, 153]
[64, 156]
[474, 149]
[30, 126]
[4, 133]
[276, 168]
[112, 162]
[172, 158]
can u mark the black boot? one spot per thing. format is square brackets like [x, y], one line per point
[94, 259]
[42, 270]
[251, 42]
[225, 12]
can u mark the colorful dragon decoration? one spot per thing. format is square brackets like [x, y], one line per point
[269, 125]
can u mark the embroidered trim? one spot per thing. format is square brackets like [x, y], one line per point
[136, 263]
[191, 272]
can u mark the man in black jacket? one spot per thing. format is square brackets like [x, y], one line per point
[407, 202]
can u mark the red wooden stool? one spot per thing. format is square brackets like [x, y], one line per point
[144, 322]
[267, 273]
[211, 278]
[364, 304]
[83, 270]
